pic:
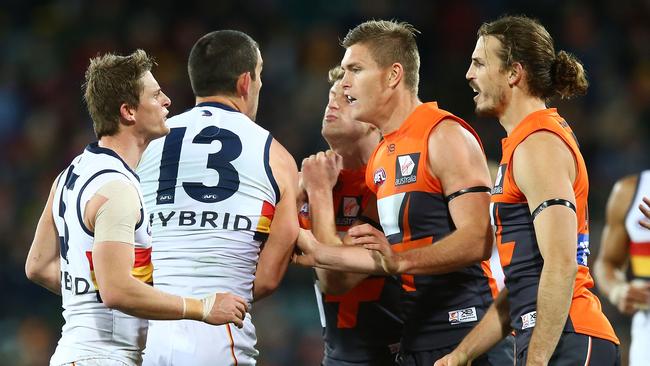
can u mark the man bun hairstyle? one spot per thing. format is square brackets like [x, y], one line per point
[526, 41]
[569, 76]
[389, 42]
[217, 59]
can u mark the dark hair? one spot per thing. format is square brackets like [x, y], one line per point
[526, 41]
[218, 58]
[110, 81]
[389, 41]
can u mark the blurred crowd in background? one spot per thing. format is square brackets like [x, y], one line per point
[45, 47]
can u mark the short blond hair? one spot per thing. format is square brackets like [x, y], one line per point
[110, 81]
[389, 42]
[335, 74]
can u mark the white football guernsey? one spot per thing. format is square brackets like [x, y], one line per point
[639, 251]
[91, 329]
[211, 196]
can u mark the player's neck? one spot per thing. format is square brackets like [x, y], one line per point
[356, 154]
[126, 146]
[397, 111]
[232, 102]
[520, 106]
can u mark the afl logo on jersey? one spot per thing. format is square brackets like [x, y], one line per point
[379, 177]
[206, 113]
[406, 168]
[498, 181]
[304, 210]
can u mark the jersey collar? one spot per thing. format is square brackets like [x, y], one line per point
[217, 105]
[96, 149]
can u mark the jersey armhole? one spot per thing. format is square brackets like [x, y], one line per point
[267, 167]
[564, 141]
[81, 208]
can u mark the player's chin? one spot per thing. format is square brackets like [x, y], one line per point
[161, 132]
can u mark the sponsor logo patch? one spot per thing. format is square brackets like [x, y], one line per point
[350, 207]
[463, 316]
[406, 168]
[498, 182]
[528, 320]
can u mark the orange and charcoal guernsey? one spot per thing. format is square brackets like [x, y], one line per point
[364, 324]
[439, 310]
[517, 244]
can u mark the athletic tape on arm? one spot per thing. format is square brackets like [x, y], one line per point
[116, 218]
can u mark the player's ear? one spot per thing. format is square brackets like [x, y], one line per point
[515, 74]
[127, 114]
[395, 75]
[243, 84]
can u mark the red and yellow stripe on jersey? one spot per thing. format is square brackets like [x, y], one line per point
[640, 260]
[142, 266]
[517, 244]
[264, 224]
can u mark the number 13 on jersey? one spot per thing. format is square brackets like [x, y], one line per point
[220, 162]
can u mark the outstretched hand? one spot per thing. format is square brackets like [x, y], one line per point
[375, 241]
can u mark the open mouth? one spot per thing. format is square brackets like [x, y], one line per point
[475, 91]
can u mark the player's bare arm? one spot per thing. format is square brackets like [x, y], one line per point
[544, 169]
[276, 253]
[43, 265]
[320, 173]
[112, 214]
[457, 160]
[613, 257]
[494, 326]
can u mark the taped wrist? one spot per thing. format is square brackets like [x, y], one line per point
[198, 309]
[552, 202]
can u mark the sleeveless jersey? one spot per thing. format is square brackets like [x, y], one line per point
[515, 238]
[362, 324]
[639, 236]
[92, 329]
[439, 310]
[211, 196]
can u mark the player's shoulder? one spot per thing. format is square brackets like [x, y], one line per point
[628, 181]
[624, 188]
[280, 155]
